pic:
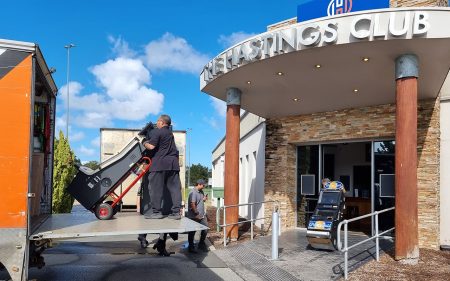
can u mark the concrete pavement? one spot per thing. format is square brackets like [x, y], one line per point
[121, 258]
[297, 260]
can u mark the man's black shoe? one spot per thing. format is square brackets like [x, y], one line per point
[174, 216]
[160, 246]
[144, 242]
[155, 216]
[203, 247]
[192, 250]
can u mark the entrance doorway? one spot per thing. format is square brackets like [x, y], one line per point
[365, 168]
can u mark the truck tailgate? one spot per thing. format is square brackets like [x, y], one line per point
[85, 224]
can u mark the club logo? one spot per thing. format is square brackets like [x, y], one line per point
[336, 7]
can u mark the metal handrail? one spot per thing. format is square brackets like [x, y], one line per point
[252, 220]
[376, 236]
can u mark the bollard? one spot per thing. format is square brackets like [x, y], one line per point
[218, 207]
[279, 224]
[275, 233]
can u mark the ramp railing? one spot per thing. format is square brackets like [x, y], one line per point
[252, 219]
[377, 236]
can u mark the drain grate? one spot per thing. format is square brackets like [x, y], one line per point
[258, 264]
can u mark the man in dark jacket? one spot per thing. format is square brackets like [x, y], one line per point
[165, 169]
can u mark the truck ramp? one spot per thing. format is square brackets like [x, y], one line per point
[85, 224]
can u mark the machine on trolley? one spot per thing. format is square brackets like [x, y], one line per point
[95, 189]
[322, 227]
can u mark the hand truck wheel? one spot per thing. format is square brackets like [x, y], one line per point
[116, 208]
[104, 211]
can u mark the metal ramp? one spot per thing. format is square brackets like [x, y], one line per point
[85, 224]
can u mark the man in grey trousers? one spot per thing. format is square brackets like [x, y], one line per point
[197, 212]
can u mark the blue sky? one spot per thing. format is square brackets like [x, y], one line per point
[134, 60]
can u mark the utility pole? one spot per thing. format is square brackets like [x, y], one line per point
[68, 47]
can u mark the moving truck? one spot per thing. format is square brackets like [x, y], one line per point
[27, 123]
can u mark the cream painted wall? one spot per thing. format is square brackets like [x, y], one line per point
[445, 174]
[251, 164]
[251, 178]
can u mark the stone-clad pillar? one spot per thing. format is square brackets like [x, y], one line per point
[231, 181]
[406, 218]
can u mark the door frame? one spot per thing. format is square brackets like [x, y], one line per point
[372, 165]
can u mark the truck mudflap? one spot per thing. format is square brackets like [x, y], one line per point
[77, 225]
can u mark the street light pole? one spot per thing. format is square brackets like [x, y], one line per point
[68, 47]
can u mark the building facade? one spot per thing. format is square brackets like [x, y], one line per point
[362, 98]
[251, 164]
[113, 140]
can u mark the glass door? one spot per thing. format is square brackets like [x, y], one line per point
[308, 178]
[384, 181]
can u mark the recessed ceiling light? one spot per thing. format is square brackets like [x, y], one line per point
[249, 82]
[280, 73]
[318, 66]
[296, 99]
[355, 91]
[365, 59]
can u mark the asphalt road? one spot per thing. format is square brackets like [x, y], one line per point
[121, 258]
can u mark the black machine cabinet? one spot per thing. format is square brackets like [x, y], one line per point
[91, 187]
[322, 226]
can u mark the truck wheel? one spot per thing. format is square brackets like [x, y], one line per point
[104, 211]
[116, 208]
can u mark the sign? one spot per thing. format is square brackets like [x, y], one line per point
[365, 27]
[324, 8]
[320, 225]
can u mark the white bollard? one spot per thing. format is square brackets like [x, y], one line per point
[275, 233]
[279, 224]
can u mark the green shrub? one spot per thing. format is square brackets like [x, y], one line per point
[64, 171]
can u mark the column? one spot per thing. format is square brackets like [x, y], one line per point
[406, 218]
[231, 181]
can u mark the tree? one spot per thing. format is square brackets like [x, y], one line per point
[197, 172]
[94, 165]
[63, 172]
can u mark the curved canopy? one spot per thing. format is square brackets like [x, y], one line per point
[333, 63]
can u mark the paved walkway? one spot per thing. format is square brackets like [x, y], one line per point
[251, 260]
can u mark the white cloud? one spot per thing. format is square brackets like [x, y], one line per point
[232, 39]
[219, 105]
[120, 47]
[96, 142]
[174, 53]
[125, 95]
[60, 124]
[213, 122]
[93, 120]
[76, 136]
[74, 89]
[86, 151]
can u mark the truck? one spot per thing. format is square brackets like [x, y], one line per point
[28, 95]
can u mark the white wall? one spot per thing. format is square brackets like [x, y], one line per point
[445, 174]
[218, 172]
[251, 163]
[251, 178]
[251, 170]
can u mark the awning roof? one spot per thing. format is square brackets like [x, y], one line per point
[331, 87]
